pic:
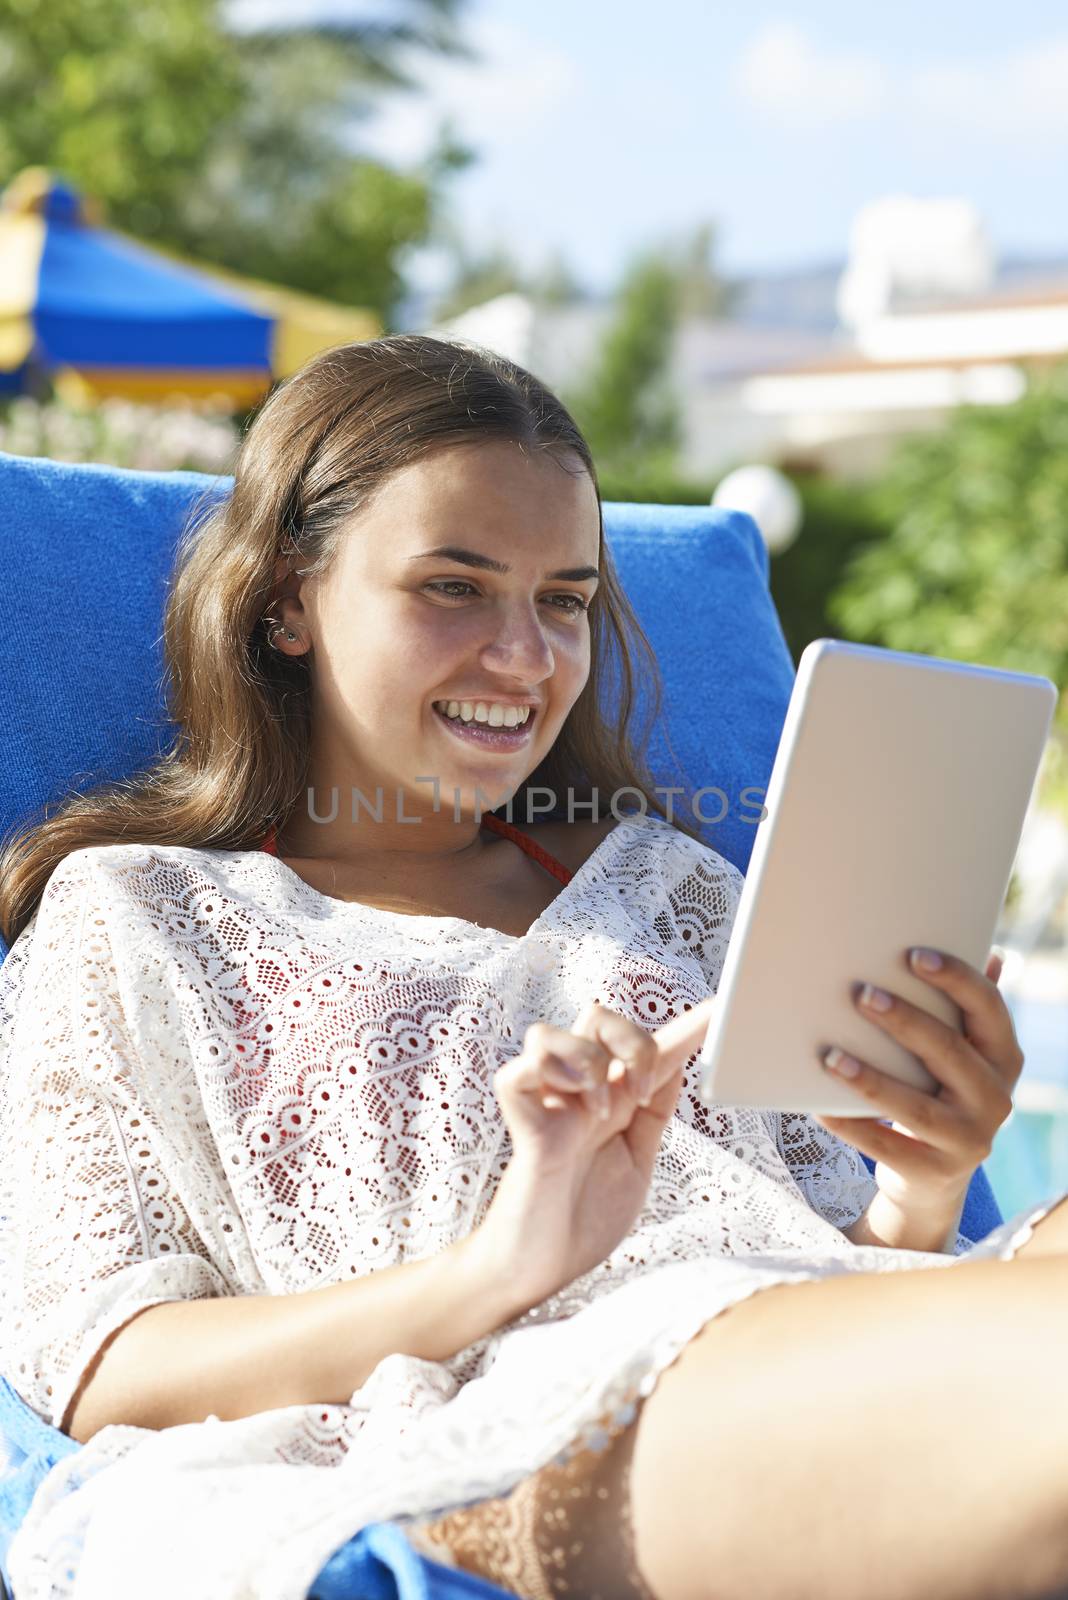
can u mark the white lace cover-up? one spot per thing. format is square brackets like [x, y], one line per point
[215, 1080]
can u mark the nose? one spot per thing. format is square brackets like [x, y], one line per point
[519, 646]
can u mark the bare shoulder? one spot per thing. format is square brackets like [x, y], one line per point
[571, 842]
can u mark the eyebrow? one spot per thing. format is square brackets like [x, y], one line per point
[471, 558]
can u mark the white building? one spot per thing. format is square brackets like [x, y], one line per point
[905, 372]
[712, 359]
[923, 329]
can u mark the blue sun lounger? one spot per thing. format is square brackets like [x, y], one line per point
[88, 551]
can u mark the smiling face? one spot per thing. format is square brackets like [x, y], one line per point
[465, 581]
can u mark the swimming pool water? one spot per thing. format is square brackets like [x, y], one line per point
[1030, 1155]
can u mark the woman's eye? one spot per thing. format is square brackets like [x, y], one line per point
[574, 603]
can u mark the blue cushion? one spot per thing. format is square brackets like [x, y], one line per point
[89, 553]
[29, 1448]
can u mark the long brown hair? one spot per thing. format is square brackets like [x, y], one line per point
[317, 450]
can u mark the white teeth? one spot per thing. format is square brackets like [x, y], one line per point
[494, 715]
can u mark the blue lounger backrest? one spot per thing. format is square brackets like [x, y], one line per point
[89, 551]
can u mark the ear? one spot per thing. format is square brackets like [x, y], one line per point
[287, 607]
[286, 582]
[286, 586]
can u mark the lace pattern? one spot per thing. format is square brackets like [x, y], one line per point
[564, 1531]
[228, 1083]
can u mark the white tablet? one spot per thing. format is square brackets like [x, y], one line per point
[894, 811]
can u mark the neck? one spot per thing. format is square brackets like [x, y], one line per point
[426, 840]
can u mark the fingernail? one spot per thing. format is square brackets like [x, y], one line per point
[573, 1073]
[877, 999]
[927, 960]
[839, 1062]
[603, 1099]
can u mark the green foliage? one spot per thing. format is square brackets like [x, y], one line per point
[233, 149]
[841, 520]
[975, 566]
[478, 278]
[557, 284]
[646, 486]
[702, 292]
[626, 407]
[124, 103]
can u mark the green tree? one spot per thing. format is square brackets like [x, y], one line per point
[477, 278]
[839, 519]
[626, 406]
[234, 148]
[975, 567]
[480, 276]
[703, 292]
[557, 284]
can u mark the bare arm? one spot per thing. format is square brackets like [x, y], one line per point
[186, 1360]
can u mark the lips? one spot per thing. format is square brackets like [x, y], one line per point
[488, 738]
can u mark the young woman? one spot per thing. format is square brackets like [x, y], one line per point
[354, 1126]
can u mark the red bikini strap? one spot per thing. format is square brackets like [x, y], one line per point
[495, 825]
[525, 842]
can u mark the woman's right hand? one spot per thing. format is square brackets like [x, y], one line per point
[577, 1180]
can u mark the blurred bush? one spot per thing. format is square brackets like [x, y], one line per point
[626, 405]
[974, 566]
[235, 140]
[121, 433]
[975, 563]
[841, 521]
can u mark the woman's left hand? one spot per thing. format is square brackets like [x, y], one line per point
[925, 1160]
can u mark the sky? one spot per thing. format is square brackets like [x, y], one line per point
[605, 126]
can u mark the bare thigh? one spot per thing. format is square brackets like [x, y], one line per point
[901, 1436]
[813, 1432]
[1049, 1235]
[563, 1533]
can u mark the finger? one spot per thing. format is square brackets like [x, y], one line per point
[585, 1053]
[538, 1067]
[986, 1019]
[683, 1036]
[936, 1122]
[964, 1073]
[578, 1084]
[907, 1156]
[994, 965]
[632, 1050]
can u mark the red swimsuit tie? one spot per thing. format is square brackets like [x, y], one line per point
[495, 825]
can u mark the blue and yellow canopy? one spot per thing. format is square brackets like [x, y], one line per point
[105, 315]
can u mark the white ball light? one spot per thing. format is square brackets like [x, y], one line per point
[770, 499]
